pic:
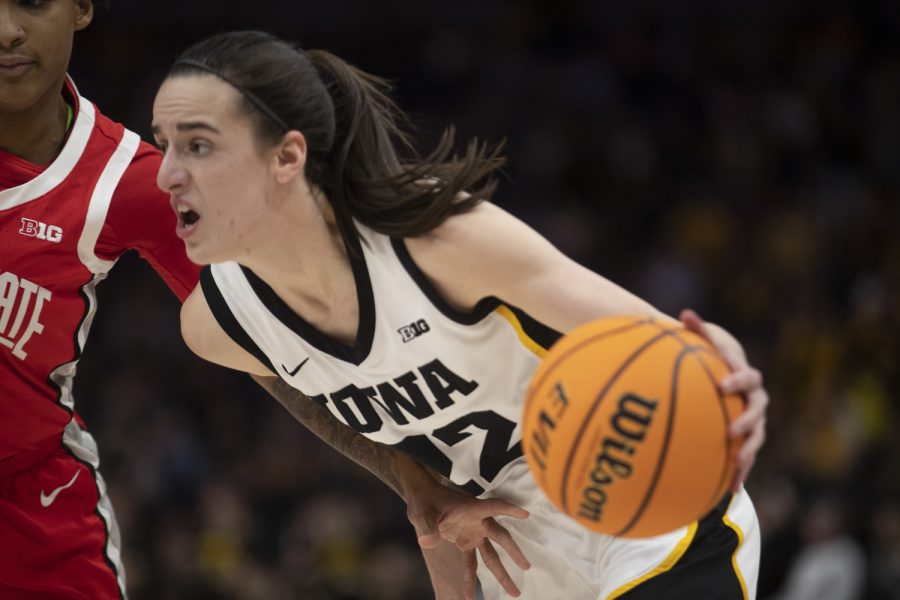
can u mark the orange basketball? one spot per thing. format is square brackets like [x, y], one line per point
[625, 428]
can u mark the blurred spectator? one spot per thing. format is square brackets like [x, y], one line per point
[830, 566]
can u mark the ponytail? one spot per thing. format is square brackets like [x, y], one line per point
[355, 135]
[370, 183]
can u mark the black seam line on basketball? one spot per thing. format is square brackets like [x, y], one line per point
[599, 336]
[664, 449]
[729, 441]
[592, 339]
[590, 414]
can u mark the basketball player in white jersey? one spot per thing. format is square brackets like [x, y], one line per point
[414, 312]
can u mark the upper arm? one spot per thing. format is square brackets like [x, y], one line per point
[488, 252]
[206, 338]
[141, 218]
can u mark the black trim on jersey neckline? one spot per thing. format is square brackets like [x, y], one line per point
[484, 307]
[537, 331]
[365, 298]
[227, 320]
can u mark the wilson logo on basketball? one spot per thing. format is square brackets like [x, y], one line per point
[643, 447]
[546, 425]
[630, 421]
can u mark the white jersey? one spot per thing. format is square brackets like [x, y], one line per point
[444, 386]
[448, 388]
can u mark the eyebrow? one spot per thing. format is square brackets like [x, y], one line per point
[188, 126]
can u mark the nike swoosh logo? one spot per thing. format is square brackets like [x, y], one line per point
[47, 500]
[294, 372]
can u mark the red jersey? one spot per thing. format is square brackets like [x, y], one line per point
[62, 227]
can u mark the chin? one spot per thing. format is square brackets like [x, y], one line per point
[199, 256]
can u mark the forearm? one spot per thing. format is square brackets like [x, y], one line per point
[398, 471]
[445, 564]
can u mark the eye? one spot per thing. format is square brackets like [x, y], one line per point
[199, 147]
[32, 3]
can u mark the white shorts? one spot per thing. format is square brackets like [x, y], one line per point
[716, 558]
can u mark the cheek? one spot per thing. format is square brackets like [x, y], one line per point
[58, 55]
[237, 201]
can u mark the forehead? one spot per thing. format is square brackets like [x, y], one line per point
[201, 96]
[59, 14]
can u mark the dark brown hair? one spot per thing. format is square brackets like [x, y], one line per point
[354, 131]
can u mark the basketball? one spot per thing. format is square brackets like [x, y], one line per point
[625, 429]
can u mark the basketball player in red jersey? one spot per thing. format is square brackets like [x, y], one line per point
[76, 191]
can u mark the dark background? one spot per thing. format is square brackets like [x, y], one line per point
[741, 157]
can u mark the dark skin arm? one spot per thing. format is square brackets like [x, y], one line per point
[452, 571]
[377, 459]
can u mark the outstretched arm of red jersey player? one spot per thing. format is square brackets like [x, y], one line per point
[141, 218]
[451, 525]
[471, 524]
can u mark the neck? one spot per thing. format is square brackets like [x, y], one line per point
[37, 133]
[304, 250]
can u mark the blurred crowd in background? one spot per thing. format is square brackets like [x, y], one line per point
[740, 157]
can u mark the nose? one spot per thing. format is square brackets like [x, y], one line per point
[172, 176]
[11, 31]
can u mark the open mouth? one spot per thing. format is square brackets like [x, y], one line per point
[187, 217]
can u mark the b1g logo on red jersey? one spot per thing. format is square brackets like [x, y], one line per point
[41, 231]
[21, 303]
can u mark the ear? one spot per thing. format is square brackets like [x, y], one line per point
[84, 13]
[289, 160]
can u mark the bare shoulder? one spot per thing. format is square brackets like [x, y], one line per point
[206, 338]
[489, 252]
[485, 234]
[478, 254]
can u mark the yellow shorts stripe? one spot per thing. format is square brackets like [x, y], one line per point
[669, 562]
[740, 533]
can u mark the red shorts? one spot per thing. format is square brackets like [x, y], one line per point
[58, 537]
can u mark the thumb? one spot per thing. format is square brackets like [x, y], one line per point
[425, 524]
[429, 539]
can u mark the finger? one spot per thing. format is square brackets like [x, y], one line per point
[425, 524]
[757, 402]
[692, 322]
[499, 534]
[751, 445]
[483, 509]
[470, 576]
[495, 507]
[492, 561]
[747, 456]
[429, 540]
[741, 477]
[741, 380]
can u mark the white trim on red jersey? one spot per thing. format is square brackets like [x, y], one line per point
[100, 200]
[60, 169]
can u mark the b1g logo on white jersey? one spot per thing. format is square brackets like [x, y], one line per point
[413, 330]
[41, 231]
[21, 303]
